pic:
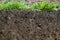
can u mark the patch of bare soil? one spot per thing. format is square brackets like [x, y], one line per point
[29, 25]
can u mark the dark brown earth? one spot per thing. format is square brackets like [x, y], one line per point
[29, 25]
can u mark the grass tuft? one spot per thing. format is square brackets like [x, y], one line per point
[13, 5]
[44, 6]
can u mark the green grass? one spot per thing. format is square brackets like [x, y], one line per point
[13, 5]
[43, 6]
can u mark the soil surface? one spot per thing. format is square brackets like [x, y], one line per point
[29, 25]
[31, 1]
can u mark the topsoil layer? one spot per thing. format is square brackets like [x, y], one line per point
[29, 25]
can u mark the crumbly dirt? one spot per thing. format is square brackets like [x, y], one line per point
[29, 25]
[31, 1]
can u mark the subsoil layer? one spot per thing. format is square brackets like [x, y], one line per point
[29, 25]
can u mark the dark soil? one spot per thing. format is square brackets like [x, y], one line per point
[29, 25]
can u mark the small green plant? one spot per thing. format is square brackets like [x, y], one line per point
[43, 6]
[13, 5]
